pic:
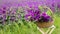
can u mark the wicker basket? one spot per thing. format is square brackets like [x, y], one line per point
[44, 24]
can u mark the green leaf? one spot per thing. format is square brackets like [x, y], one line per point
[48, 12]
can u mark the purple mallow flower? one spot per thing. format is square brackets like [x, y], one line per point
[8, 14]
[44, 17]
[33, 14]
[37, 15]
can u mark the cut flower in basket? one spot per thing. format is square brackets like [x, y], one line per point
[41, 18]
[33, 14]
[37, 15]
[44, 17]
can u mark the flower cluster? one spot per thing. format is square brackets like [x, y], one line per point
[8, 15]
[3, 14]
[44, 18]
[37, 15]
[33, 14]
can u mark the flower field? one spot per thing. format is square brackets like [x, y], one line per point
[21, 17]
[27, 28]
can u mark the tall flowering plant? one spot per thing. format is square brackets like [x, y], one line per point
[9, 15]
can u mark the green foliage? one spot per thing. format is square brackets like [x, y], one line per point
[24, 27]
[49, 12]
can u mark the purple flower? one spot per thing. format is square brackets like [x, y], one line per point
[8, 15]
[36, 15]
[44, 17]
[33, 14]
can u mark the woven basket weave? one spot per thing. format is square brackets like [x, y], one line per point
[46, 24]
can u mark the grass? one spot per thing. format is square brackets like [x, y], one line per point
[57, 24]
[27, 28]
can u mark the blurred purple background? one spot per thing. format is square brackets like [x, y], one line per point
[16, 3]
[25, 2]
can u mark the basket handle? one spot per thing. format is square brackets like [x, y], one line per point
[52, 15]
